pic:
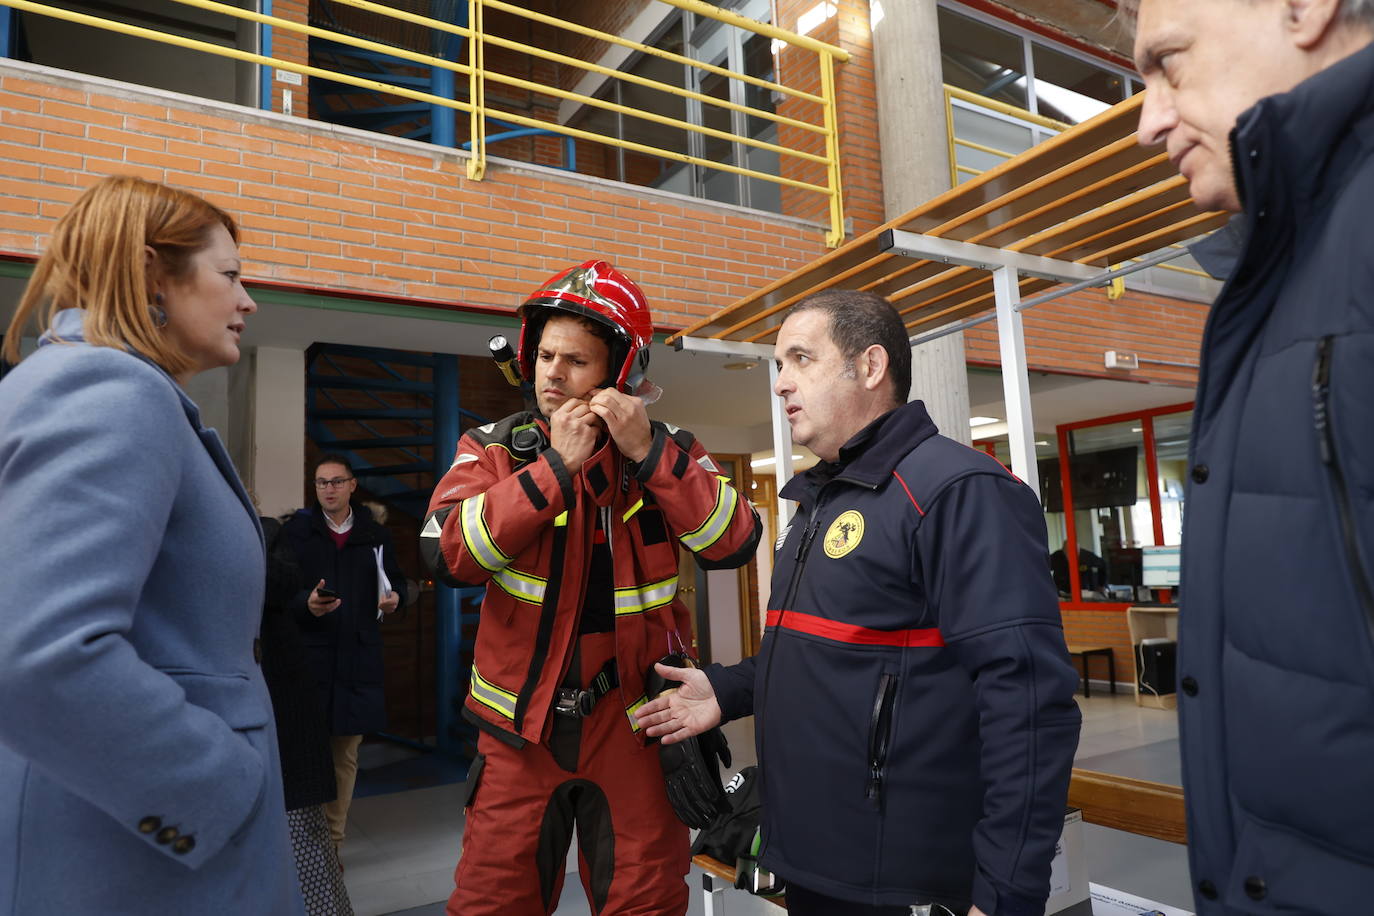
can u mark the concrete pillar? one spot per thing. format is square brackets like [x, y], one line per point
[267, 426]
[915, 159]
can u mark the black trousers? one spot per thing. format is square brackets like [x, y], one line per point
[802, 902]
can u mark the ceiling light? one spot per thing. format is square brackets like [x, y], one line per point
[1135, 429]
[982, 421]
[1042, 442]
[740, 366]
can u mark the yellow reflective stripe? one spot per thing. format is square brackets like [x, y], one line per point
[561, 519]
[632, 510]
[716, 523]
[521, 585]
[478, 538]
[636, 599]
[630, 711]
[488, 694]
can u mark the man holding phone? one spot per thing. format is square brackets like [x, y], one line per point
[349, 557]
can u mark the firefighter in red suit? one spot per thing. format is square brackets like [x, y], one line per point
[572, 517]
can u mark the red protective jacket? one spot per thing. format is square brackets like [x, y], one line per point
[510, 516]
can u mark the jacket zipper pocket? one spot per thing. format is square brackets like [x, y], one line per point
[803, 546]
[879, 736]
[1326, 440]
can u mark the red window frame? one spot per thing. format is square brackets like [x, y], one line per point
[1147, 431]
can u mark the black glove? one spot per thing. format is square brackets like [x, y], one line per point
[691, 768]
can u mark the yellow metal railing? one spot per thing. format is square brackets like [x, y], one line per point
[1028, 119]
[478, 75]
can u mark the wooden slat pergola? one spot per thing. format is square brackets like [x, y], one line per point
[1064, 211]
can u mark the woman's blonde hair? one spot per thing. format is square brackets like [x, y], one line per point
[96, 261]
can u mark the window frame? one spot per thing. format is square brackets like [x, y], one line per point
[1147, 431]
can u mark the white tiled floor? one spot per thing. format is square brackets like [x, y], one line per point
[402, 847]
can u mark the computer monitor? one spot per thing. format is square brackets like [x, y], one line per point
[1160, 567]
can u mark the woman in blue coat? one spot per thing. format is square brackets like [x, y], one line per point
[138, 762]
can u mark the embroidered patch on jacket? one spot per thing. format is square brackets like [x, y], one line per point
[844, 534]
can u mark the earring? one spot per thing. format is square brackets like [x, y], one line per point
[158, 313]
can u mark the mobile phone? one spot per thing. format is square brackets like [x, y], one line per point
[326, 593]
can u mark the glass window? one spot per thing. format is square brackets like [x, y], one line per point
[1171, 455]
[1111, 506]
[1070, 89]
[982, 59]
[132, 59]
[993, 130]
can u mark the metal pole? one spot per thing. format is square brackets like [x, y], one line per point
[442, 119]
[447, 602]
[265, 42]
[782, 450]
[1015, 382]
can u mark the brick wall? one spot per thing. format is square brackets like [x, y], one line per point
[857, 113]
[344, 210]
[1102, 628]
[610, 17]
[1070, 334]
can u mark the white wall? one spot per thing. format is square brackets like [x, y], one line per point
[266, 413]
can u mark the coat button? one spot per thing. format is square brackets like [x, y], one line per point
[149, 824]
[1207, 889]
[167, 834]
[1189, 686]
[257, 651]
[184, 845]
[1200, 473]
[1255, 888]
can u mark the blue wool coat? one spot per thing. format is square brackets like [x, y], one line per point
[138, 761]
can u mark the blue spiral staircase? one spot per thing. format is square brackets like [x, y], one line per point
[395, 415]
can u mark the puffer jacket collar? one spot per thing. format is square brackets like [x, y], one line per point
[1293, 150]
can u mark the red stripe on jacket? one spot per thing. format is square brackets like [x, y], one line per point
[850, 633]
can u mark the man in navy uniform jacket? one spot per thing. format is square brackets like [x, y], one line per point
[913, 696]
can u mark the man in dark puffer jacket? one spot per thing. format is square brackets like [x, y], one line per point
[1276, 626]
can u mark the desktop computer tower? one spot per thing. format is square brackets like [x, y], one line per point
[1155, 665]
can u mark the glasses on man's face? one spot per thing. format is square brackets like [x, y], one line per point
[332, 484]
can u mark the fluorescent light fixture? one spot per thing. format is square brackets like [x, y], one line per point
[813, 17]
[1042, 442]
[1135, 429]
[982, 421]
[766, 462]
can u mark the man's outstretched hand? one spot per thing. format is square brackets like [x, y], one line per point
[680, 714]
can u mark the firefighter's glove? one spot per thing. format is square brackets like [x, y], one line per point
[691, 768]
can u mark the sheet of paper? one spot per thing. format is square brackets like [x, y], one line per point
[383, 583]
[1109, 902]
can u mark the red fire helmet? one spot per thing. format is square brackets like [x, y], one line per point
[598, 291]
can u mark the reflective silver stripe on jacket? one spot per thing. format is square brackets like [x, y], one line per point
[716, 523]
[477, 537]
[638, 598]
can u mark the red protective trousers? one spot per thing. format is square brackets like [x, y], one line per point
[632, 850]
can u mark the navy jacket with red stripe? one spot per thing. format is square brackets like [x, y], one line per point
[913, 696]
